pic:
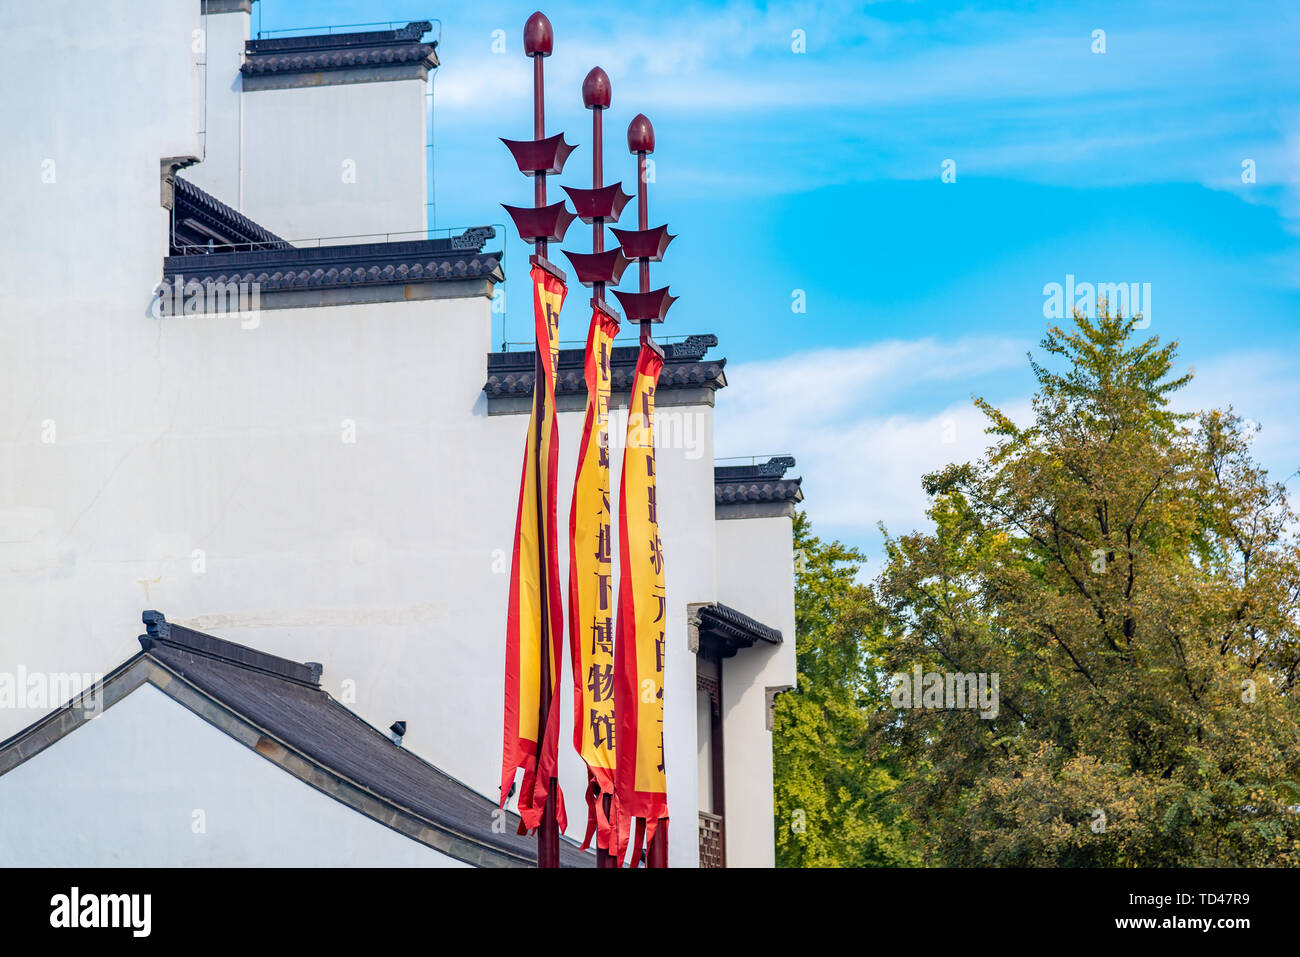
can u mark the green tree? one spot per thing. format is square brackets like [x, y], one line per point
[834, 803]
[1129, 575]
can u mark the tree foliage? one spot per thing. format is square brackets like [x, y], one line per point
[1130, 575]
[835, 802]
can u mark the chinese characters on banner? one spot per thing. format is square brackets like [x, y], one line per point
[591, 590]
[531, 739]
[639, 648]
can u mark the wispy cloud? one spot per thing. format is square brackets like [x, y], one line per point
[1261, 386]
[890, 91]
[865, 423]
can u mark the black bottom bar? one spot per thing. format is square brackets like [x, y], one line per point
[946, 908]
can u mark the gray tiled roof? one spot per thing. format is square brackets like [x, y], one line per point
[723, 631]
[758, 482]
[277, 707]
[725, 616]
[284, 698]
[242, 251]
[198, 218]
[340, 51]
[511, 373]
[423, 260]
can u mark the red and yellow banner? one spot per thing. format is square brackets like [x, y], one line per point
[535, 615]
[639, 647]
[591, 590]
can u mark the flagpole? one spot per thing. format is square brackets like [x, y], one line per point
[646, 306]
[538, 224]
[596, 97]
[599, 269]
[538, 40]
[645, 245]
[643, 222]
[641, 140]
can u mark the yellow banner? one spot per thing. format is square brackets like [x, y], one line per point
[640, 647]
[591, 590]
[535, 617]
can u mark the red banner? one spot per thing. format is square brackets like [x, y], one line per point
[639, 647]
[535, 620]
[591, 591]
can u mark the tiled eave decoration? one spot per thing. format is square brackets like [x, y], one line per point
[300, 277]
[721, 631]
[688, 378]
[199, 219]
[326, 59]
[759, 490]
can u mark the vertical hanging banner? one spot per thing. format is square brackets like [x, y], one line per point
[531, 739]
[591, 591]
[639, 634]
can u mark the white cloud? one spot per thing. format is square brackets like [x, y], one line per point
[739, 58]
[1260, 386]
[864, 424]
[1003, 94]
[870, 471]
[838, 412]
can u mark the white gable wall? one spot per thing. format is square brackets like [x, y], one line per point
[236, 505]
[755, 576]
[150, 784]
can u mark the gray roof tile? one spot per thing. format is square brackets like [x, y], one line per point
[511, 373]
[756, 482]
[284, 698]
[340, 51]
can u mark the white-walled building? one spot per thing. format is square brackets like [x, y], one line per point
[318, 465]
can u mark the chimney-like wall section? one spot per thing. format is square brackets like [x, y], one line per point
[223, 31]
[335, 130]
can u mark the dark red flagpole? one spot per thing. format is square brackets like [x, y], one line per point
[538, 40]
[539, 225]
[646, 306]
[596, 97]
[642, 200]
[641, 140]
[643, 244]
[598, 205]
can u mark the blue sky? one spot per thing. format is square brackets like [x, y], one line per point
[821, 171]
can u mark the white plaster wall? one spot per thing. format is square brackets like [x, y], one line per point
[81, 153]
[197, 467]
[221, 146]
[385, 559]
[755, 576]
[687, 528]
[704, 765]
[80, 253]
[150, 784]
[342, 160]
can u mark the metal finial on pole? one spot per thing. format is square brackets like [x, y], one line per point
[538, 41]
[644, 244]
[541, 156]
[600, 204]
